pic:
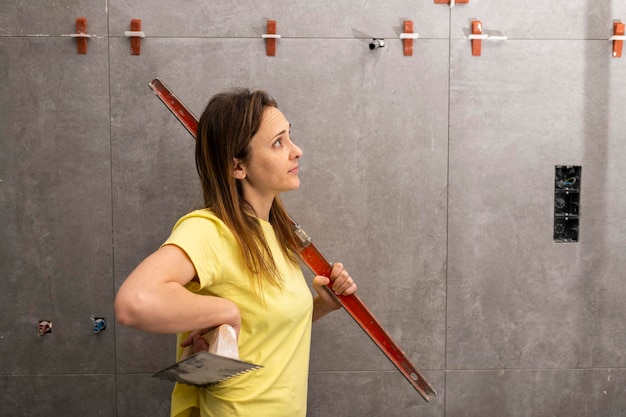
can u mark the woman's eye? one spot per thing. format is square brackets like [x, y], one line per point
[278, 143]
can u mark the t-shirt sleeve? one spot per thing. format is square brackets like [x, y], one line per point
[200, 238]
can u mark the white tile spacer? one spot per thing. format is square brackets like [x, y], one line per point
[452, 3]
[486, 37]
[79, 35]
[134, 34]
[270, 36]
[617, 38]
[409, 35]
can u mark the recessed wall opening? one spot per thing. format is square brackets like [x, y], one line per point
[566, 203]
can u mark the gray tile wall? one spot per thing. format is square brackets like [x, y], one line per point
[430, 177]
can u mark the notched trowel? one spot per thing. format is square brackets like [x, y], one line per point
[219, 363]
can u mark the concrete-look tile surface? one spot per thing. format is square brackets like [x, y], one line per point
[431, 177]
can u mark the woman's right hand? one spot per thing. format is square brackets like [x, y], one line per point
[225, 338]
[196, 341]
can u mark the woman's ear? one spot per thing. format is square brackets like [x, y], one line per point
[239, 171]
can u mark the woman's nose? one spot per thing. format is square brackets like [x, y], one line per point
[296, 151]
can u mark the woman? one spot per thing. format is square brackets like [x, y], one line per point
[235, 262]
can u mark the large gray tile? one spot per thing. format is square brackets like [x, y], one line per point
[143, 395]
[536, 393]
[154, 183]
[55, 207]
[371, 394]
[62, 395]
[515, 298]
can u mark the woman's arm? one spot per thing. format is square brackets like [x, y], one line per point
[343, 284]
[153, 297]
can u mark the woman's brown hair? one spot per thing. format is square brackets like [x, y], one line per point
[225, 129]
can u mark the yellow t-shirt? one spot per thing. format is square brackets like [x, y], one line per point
[276, 335]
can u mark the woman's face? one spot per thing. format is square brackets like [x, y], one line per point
[272, 163]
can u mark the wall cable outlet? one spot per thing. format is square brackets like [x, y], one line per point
[566, 203]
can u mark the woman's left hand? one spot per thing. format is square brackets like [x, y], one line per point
[342, 284]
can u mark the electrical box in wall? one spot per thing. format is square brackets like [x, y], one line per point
[566, 203]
